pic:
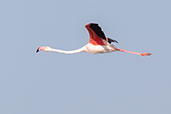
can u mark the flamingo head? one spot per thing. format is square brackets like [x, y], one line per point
[43, 48]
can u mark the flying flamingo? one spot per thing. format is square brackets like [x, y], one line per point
[98, 43]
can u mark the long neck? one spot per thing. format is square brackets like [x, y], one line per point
[68, 52]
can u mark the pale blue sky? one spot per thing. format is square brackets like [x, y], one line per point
[113, 83]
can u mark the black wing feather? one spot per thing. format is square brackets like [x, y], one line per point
[111, 40]
[97, 29]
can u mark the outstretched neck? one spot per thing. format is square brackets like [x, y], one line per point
[68, 52]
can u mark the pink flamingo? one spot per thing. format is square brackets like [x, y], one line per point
[98, 43]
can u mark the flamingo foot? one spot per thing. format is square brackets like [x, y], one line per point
[145, 54]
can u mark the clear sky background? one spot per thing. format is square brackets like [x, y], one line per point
[112, 83]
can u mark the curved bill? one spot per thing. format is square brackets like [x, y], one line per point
[37, 50]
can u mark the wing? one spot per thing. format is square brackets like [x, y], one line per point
[111, 40]
[97, 36]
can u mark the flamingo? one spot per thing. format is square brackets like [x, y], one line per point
[98, 43]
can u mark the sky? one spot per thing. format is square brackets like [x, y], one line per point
[111, 83]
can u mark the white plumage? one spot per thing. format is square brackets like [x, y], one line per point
[98, 43]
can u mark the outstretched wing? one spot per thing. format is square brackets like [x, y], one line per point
[97, 36]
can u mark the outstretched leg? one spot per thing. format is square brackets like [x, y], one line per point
[142, 54]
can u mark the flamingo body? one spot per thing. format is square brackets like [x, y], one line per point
[98, 43]
[95, 49]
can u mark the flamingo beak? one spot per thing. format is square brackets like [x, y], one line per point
[37, 50]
